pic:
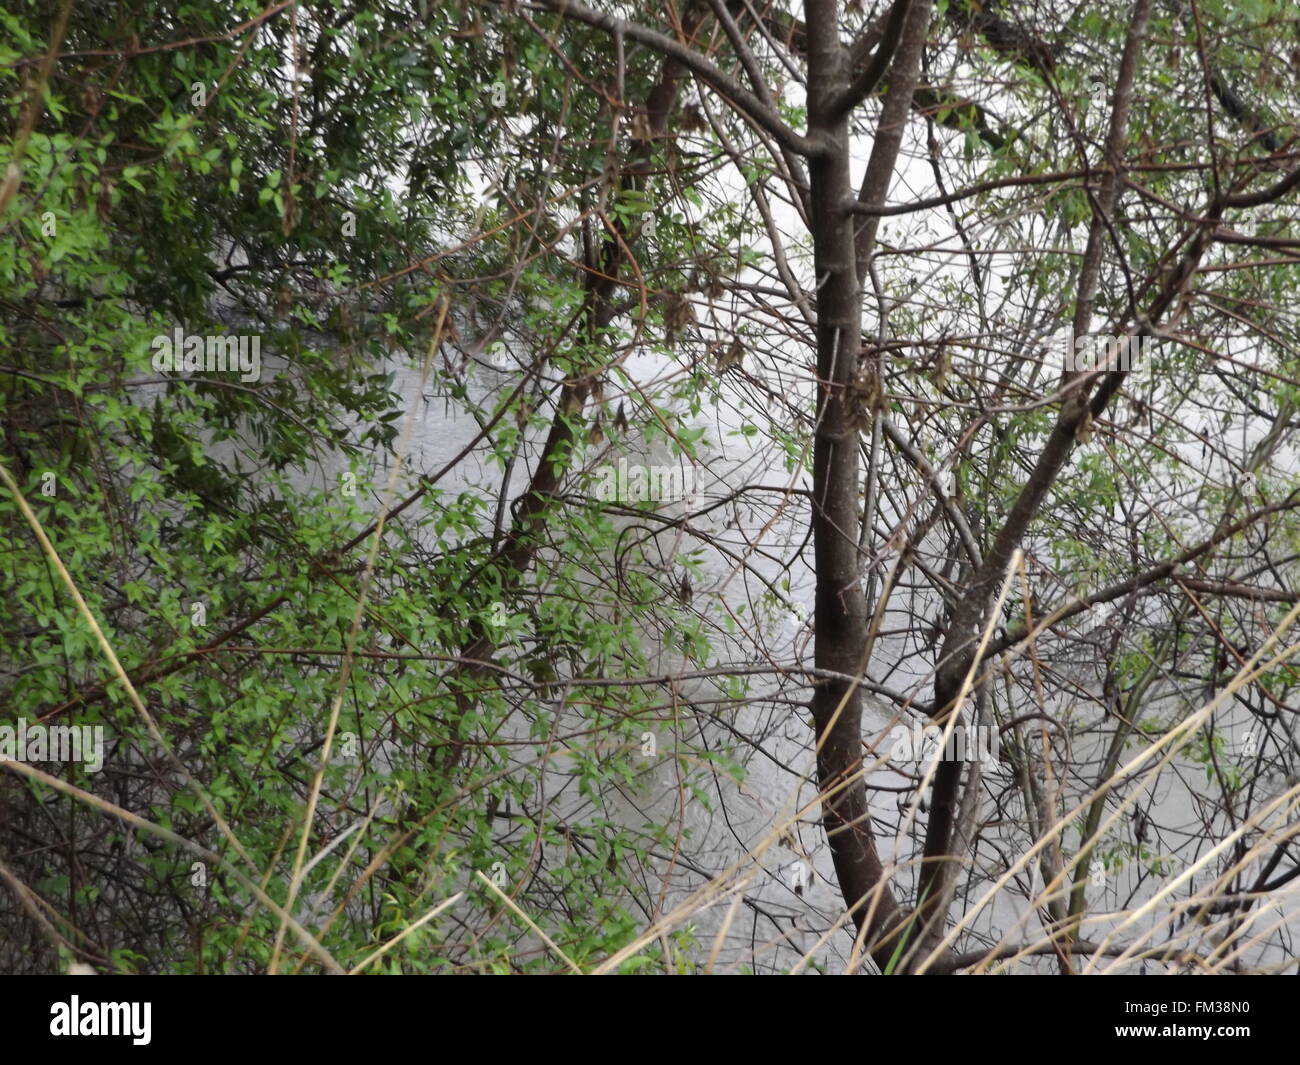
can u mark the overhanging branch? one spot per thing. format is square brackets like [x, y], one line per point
[740, 98]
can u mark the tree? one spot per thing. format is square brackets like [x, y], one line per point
[862, 244]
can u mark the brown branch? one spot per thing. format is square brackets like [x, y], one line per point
[745, 102]
[958, 649]
[1163, 571]
[1066, 948]
[865, 83]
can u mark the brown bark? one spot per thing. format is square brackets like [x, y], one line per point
[841, 252]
